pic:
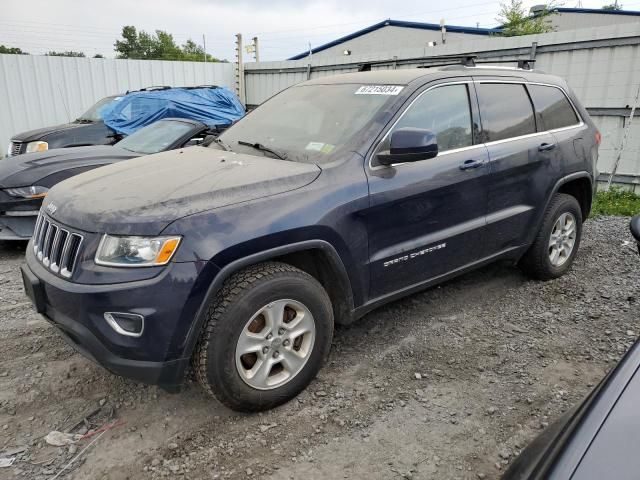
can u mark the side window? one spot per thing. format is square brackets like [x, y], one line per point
[505, 111]
[552, 107]
[445, 111]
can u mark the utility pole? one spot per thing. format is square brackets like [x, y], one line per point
[253, 48]
[625, 135]
[256, 54]
[204, 47]
[443, 30]
[239, 69]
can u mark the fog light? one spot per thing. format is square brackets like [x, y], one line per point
[129, 324]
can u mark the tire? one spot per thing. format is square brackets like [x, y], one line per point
[240, 313]
[537, 262]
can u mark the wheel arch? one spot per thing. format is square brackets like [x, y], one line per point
[581, 188]
[575, 184]
[315, 257]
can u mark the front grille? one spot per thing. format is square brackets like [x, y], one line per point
[56, 248]
[16, 148]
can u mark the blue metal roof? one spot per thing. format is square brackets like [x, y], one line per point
[398, 23]
[450, 28]
[596, 10]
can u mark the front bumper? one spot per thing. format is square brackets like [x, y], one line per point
[17, 217]
[157, 357]
[17, 227]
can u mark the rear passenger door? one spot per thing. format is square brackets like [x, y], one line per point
[427, 218]
[524, 163]
[557, 115]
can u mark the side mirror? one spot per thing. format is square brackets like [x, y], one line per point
[635, 229]
[193, 142]
[409, 145]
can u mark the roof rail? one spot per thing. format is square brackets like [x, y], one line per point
[155, 87]
[522, 63]
[472, 61]
[201, 86]
[465, 60]
[150, 89]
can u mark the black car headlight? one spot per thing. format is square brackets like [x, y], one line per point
[32, 192]
[38, 146]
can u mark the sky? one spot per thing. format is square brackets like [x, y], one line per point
[284, 27]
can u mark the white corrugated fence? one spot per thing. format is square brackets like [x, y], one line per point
[39, 91]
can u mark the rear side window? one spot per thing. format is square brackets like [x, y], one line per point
[446, 112]
[552, 107]
[505, 110]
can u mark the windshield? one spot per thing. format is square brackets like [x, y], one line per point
[307, 123]
[93, 114]
[156, 137]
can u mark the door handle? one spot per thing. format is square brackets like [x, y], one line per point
[469, 164]
[545, 147]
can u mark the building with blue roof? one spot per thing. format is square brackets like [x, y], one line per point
[391, 34]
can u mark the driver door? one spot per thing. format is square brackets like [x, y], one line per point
[427, 218]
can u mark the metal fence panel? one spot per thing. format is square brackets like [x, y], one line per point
[40, 91]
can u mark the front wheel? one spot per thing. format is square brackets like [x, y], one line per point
[555, 247]
[266, 336]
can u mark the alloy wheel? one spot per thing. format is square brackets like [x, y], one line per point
[562, 239]
[275, 344]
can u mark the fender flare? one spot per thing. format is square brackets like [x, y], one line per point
[567, 179]
[556, 188]
[240, 263]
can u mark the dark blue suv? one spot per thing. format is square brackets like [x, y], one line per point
[334, 197]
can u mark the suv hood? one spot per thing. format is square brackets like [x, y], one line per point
[41, 133]
[34, 168]
[144, 195]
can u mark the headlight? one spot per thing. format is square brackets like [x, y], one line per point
[28, 192]
[136, 251]
[37, 147]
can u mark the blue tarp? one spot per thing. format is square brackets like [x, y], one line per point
[212, 106]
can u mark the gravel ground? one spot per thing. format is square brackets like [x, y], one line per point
[449, 383]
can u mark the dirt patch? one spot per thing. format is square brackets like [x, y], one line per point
[497, 358]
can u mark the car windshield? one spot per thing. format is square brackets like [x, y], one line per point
[93, 114]
[308, 123]
[156, 137]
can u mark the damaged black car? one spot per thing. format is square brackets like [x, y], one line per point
[26, 179]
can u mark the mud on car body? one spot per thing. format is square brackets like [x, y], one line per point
[334, 197]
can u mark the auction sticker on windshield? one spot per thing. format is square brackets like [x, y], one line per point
[379, 90]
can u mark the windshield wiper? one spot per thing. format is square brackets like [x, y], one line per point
[220, 142]
[263, 148]
[83, 120]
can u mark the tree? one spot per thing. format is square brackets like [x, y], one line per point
[612, 6]
[193, 52]
[516, 20]
[12, 50]
[157, 46]
[68, 53]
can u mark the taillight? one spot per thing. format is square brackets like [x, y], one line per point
[598, 137]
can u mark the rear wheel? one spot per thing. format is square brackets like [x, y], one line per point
[266, 336]
[555, 247]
